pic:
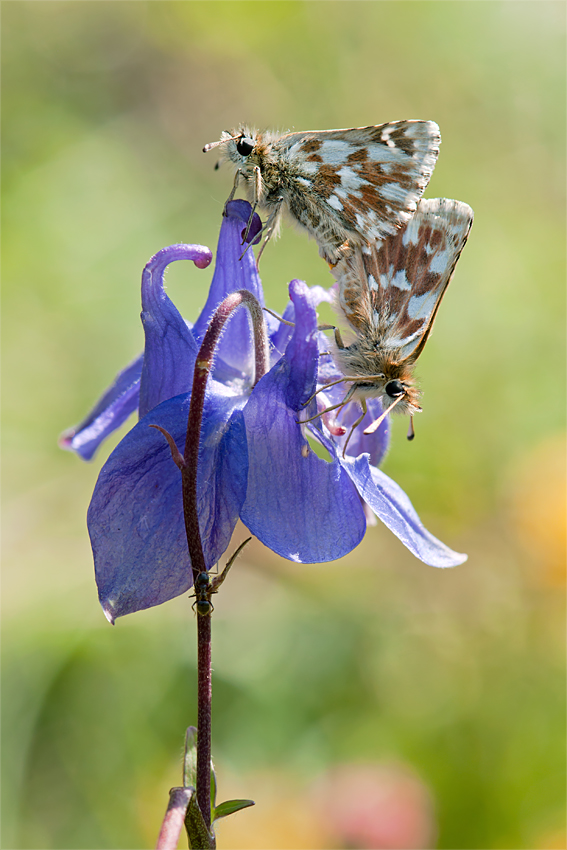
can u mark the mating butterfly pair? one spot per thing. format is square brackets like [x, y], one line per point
[357, 192]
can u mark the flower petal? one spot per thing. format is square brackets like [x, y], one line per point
[170, 349]
[223, 469]
[393, 507]
[233, 272]
[112, 409]
[281, 333]
[135, 518]
[300, 506]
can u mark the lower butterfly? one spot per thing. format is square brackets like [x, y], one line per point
[389, 293]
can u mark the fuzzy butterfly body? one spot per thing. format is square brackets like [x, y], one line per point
[359, 184]
[390, 292]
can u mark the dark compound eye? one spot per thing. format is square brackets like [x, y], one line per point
[245, 146]
[395, 389]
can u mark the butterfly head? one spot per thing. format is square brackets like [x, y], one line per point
[388, 389]
[376, 373]
[239, 143]
[243, 147]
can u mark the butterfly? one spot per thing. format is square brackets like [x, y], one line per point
[389, 292]
[359, 184]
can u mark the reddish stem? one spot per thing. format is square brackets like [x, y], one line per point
[203, 367]
[204, 705]
[174, 819]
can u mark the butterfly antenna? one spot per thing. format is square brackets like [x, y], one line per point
[411, 431]
[212, 145]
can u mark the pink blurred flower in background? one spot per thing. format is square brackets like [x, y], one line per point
[376, 806]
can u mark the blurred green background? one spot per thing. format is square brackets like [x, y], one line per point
[456, 676]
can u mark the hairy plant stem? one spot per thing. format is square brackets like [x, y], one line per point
[203, 367]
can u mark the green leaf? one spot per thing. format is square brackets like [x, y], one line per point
[229, 807]
[190, 758]
[213, 787]
[199, 836]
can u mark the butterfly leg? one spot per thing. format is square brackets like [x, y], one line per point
[267, 230]
[326, 387]
[338, 336]
[292, 324]
[271, 225]
[234, 188]
[317, 415]
[339, 339]
[356, 424]
[279, 318]
[342, 403]
[257, 190]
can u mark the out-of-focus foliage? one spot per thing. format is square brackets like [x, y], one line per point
[458, 675]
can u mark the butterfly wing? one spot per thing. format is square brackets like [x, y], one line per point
[391, 290]
[367, 179]
[413, 269]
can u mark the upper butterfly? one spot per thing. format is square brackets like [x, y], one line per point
[389, 293]
[359, 184]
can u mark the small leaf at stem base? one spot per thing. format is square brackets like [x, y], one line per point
[190, 758]
[199, 836]
[229, 807]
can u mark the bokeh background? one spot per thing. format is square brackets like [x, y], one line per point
[432, 699]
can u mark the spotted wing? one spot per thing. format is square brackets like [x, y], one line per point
[394, 288]
[369, 179]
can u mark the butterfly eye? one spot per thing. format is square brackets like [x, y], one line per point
[395, 389]
[245, 146]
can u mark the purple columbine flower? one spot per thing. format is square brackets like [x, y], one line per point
[255, 461]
